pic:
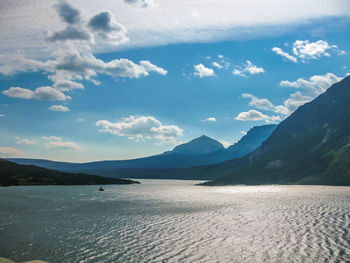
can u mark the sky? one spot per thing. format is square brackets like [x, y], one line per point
[119, 79]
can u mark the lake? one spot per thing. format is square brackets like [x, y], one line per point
[175, 221]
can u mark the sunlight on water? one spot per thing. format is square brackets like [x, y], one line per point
[172, 221]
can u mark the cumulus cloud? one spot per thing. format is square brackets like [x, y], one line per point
[263, 104]
[284, 54]
[58, 108]
[2, 115]
[9, 151]
[69, 67]
[105, 26]
[142, 3]
[305, 50]
[80, 120]
[253, 115]
[41, 93]
[249, 68]
[141, 128]
[102, 25]
[210, 119]
[202, 71]
[74, 30]
[54, 142]
[311, 50]
[27, 141]
[315, 85]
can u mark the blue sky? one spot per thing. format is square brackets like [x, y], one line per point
[95, 83]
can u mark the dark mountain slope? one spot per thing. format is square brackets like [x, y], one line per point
[252, 140]
[16, 174]
[312, 146]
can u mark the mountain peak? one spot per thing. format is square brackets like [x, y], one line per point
[252, 140]
[200, 145]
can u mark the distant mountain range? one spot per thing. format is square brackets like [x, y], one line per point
[312, 146]
[200, 151]
[12, 174]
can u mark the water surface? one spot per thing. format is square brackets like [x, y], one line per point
[175, 221]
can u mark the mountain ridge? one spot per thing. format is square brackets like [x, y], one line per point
[216, 153]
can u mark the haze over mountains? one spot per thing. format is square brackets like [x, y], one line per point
[200, 151]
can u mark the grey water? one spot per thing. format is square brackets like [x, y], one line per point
[175, 221]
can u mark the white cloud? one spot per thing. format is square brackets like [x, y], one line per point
[253, 115]
[41, 93]
[243, 133]
[68, 68]
[78, 65]
[26, 141]
[2, 115]
[80, 120]
[217, 65]
[141, 128]
[148, 66]
[54, 142]
[210, 119]
[249, 68]
[306, 50]
[284, 54]
[58, 108]
[263, 104]
[9, 151]
[316, 84]
[202, 71]
[311, 50]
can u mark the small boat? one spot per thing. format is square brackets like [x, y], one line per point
[101, 189]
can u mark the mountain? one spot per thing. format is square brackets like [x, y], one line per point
[252, 140]
[200, 151]
[16, 174]
[312, 146]
[200, 145]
